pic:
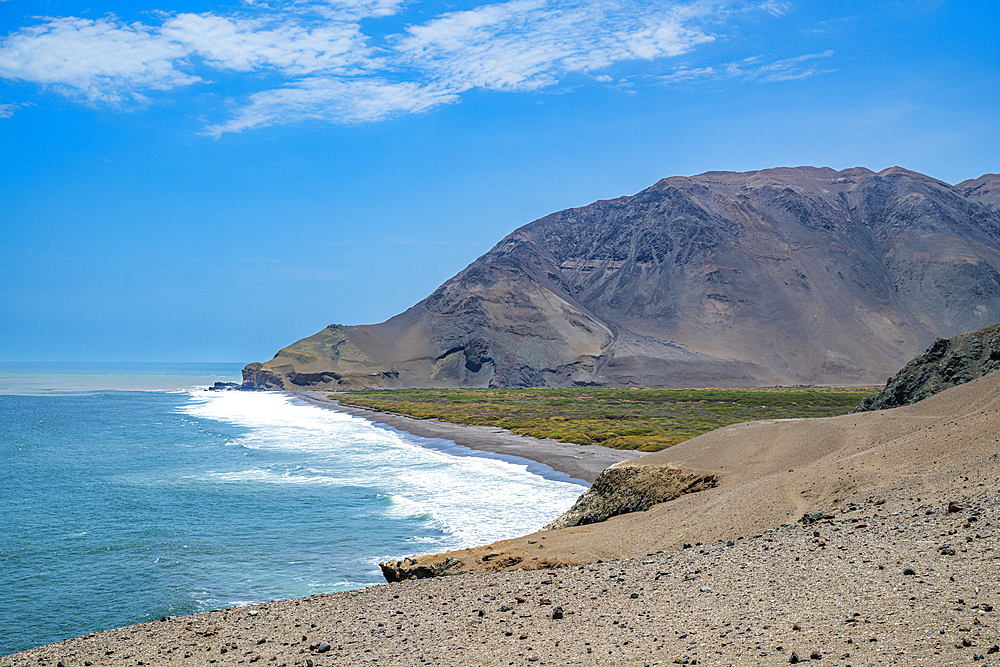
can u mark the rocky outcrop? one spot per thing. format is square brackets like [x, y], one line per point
[624, 488]
[620, 489]
[782, 276]
[412, 568]
[943, 365]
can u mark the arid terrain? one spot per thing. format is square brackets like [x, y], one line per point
[866, 539]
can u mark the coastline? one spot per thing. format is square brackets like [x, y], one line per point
[577, 462]
[898, 558]
[781, 597]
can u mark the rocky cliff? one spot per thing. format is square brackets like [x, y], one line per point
[782, 276]
[943, 365]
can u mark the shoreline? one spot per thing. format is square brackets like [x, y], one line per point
[576, 462]
[880, 542]
[754, 601]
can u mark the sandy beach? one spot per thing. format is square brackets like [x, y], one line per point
[897, 562]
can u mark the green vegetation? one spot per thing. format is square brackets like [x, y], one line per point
[642, 419]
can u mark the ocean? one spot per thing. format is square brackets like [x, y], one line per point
[129, 492]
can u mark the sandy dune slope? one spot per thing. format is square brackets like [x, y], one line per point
[774, 472]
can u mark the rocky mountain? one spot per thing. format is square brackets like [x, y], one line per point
[945, 364]
[783, 276]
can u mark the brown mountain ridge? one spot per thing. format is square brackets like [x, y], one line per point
[783, 276]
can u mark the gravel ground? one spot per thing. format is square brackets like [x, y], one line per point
[878, 583]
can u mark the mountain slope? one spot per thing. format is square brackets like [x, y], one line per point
[783, 276]
[946, 363]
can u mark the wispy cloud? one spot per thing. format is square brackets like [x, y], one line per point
[330, 69]
[333, 100]
[529, 44]
[756, 69]
[7, 110]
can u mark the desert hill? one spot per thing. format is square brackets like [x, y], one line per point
[783, 276]
[946, 363]
[777, 472]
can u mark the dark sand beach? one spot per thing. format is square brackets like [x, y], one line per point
[899, 566]
[581, 462]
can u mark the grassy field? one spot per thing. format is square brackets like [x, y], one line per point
[642, 419]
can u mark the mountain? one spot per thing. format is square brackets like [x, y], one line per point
[945, 364]
[784, 276]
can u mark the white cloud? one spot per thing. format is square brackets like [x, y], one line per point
[333, 100]
[7, 110]
[332, 70]
[753, 69]
[774, 7]
[362, 8]
[529, 44]
[789, 69]
[247, 45]
[104, 60]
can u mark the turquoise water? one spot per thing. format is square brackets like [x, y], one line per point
[124, 506]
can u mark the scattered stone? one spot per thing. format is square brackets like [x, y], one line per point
[323, 647]
[815, 655]
[253, 612]
[504, 607]
[557, 613]
[909, 571]
[794, 658]
[955, 506]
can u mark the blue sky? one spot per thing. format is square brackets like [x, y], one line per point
[203, 181]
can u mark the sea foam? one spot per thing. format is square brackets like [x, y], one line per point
[472, 499]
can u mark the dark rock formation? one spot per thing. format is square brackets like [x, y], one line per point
[623, 488]
[782, 276]
[943, 365]
[409, 568]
